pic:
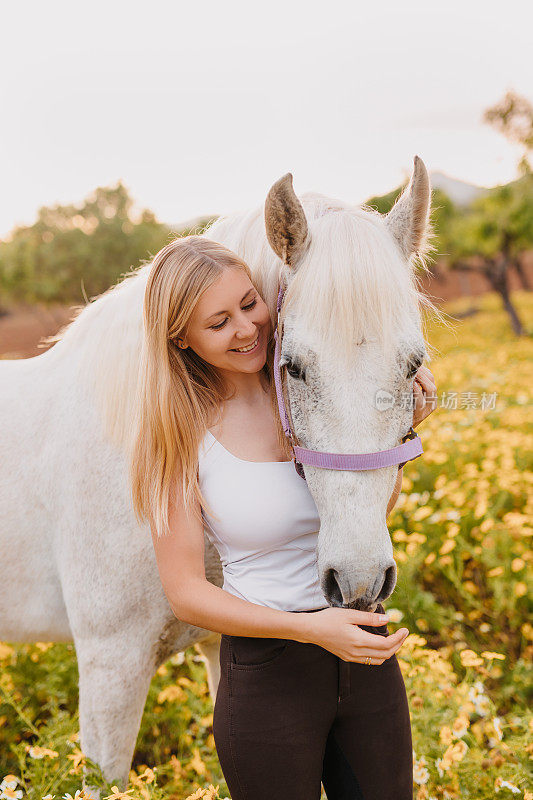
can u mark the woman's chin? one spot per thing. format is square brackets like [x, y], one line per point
[253, 363]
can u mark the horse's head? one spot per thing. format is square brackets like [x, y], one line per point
[352, 343]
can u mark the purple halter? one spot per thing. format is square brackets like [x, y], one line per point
[410, 449]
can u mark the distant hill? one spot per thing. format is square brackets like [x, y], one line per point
[459, 192]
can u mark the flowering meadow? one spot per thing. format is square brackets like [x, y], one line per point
[461, 532]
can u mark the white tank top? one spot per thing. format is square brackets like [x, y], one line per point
[266, 531]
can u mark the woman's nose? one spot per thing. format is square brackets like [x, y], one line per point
[245, 328]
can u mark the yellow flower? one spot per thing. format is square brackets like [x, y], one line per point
[447, 546]
[77, 758]
[148, 775]
[210, 793]
[446, 735]
[395, 615]
[470, 659]
[493, 573]
[140, 781]
[196, 762]
[118, 795]
[171, 694]
[497, 727]
[399, 535]
[5, 652]
[184, 681]
[460, 726]
[527, 630]
[455, 752]
[489, 654]
[41, 752]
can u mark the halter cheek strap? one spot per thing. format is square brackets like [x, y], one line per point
[410, 448]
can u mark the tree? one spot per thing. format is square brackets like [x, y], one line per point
[73, 252]
[498, 227]
[491, 236]
[513, 117]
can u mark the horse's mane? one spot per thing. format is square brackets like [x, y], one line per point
[353, 282]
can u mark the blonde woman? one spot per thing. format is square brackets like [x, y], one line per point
[208, 453]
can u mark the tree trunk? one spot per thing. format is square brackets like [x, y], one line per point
[519, 267]
[498, 274]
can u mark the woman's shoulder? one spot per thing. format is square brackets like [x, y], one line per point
[206, 445]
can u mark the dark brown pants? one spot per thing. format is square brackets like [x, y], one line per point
[289, 715]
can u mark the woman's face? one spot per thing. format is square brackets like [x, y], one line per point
[230, 326]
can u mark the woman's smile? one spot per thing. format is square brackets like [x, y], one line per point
[249, 348]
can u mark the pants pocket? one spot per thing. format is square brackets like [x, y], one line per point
[254, 652]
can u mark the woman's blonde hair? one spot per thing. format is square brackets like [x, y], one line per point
[178, 392]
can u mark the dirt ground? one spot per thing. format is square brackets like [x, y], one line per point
[23, 328]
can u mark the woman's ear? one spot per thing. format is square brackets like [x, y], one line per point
[182, 344]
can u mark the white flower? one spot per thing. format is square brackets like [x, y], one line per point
[395, 615]
[440, 768]
[482, 705]
[421, 775]
[501, 784]
[12, 784]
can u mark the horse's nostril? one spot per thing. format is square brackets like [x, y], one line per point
[332, 589]
[388, 583]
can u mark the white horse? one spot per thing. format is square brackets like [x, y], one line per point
[76, 565]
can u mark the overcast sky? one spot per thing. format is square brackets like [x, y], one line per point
[198, 107]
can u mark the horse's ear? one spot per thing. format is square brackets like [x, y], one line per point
[408, 219]
[285, 222]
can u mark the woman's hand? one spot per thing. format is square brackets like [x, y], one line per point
[336, 630]
[424, 384]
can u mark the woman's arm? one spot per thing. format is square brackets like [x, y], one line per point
[193, 599]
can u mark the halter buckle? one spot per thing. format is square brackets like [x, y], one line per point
[411, 434]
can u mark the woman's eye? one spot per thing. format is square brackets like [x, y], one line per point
[244, 308]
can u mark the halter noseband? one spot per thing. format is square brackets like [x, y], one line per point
[410, 449]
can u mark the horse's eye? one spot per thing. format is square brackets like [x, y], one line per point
[296, 372]
[294, 369]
